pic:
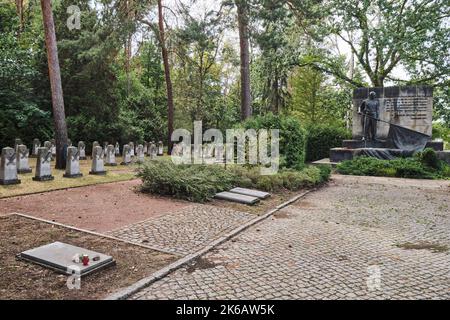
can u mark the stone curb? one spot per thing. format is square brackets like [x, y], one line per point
[145, 282]
[89, 232]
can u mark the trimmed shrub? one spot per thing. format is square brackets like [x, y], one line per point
[201, 182]
[429, 158]
[321, 138]
[402, 168]
[292, 137]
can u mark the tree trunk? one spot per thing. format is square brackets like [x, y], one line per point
[165, 56]
[59, 116]
[242, 17]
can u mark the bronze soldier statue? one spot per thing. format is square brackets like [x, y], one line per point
[369, 109]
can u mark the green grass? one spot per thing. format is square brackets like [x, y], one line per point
[28, 186]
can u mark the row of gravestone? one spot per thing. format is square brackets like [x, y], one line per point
[15, 161]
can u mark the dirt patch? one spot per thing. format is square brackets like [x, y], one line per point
[433, 247]
[200, 264]
[260, 208]
[98, 208]
[281, 215]
[23, 280]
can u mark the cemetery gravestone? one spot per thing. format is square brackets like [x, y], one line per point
[36, 145]
[140, 154]
[145, 147]
[43, 165]
[160, 148]
[153, 151]
[94, 144]
[17, 142]
[98, 162]
[131, 145]
[110, 156]
[22, 155]
[8, 167]
[73, 163]
[126, 155]
[82, 150]
[117, 150]
[53, 147]
[48, 145]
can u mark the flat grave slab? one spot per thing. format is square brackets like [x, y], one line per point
[236, 197]
[251, 192]
[59, 257]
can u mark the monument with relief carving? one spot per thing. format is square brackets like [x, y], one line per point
[390, 122]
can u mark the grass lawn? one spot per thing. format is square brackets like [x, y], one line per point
[27, 185]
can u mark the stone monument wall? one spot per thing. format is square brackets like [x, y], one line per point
[410, 107]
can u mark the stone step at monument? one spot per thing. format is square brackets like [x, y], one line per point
[251, 192]
[236, 197]
[355, 144]
[59, 257]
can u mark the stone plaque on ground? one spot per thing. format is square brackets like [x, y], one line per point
[410, 107]
[62, 257]
[236, 197]
[43, 165]
[8, 167]
[251, 192]
[22, 154]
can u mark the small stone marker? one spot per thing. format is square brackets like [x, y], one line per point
[81, 150]
[22, 154]
[97, 162]
[8, 167]
[126, 155]
[36, 145]
[140, 153]
[60, 257]
[145, 147]
[48, 145]
[43, 165]
[110, 156]
[94, 144]
[53, 147]
[131, 145]
[17, 142]
[236, 197]
[105, 146]
[252, 193]
[73, 163]
[117, 150]
[153, 151]
[160, 148]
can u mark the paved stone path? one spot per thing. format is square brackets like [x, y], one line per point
[360, 237]
[184, 231]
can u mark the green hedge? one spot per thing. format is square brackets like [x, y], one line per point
[321, 138]
[292, 137]
[201, 182]
[423, 165]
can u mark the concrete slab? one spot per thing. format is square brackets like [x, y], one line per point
[236, 197]
[59, 257]
[251, 193]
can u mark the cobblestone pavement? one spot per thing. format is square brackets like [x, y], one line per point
[358, 238]
[184, 231]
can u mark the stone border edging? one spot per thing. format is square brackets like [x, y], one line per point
[89, 232]
[147, 281]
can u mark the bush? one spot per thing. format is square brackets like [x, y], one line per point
[429, 158]
[321, 138]
[201, 182]
[403, 168]
[194, 183]
[292, 137]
